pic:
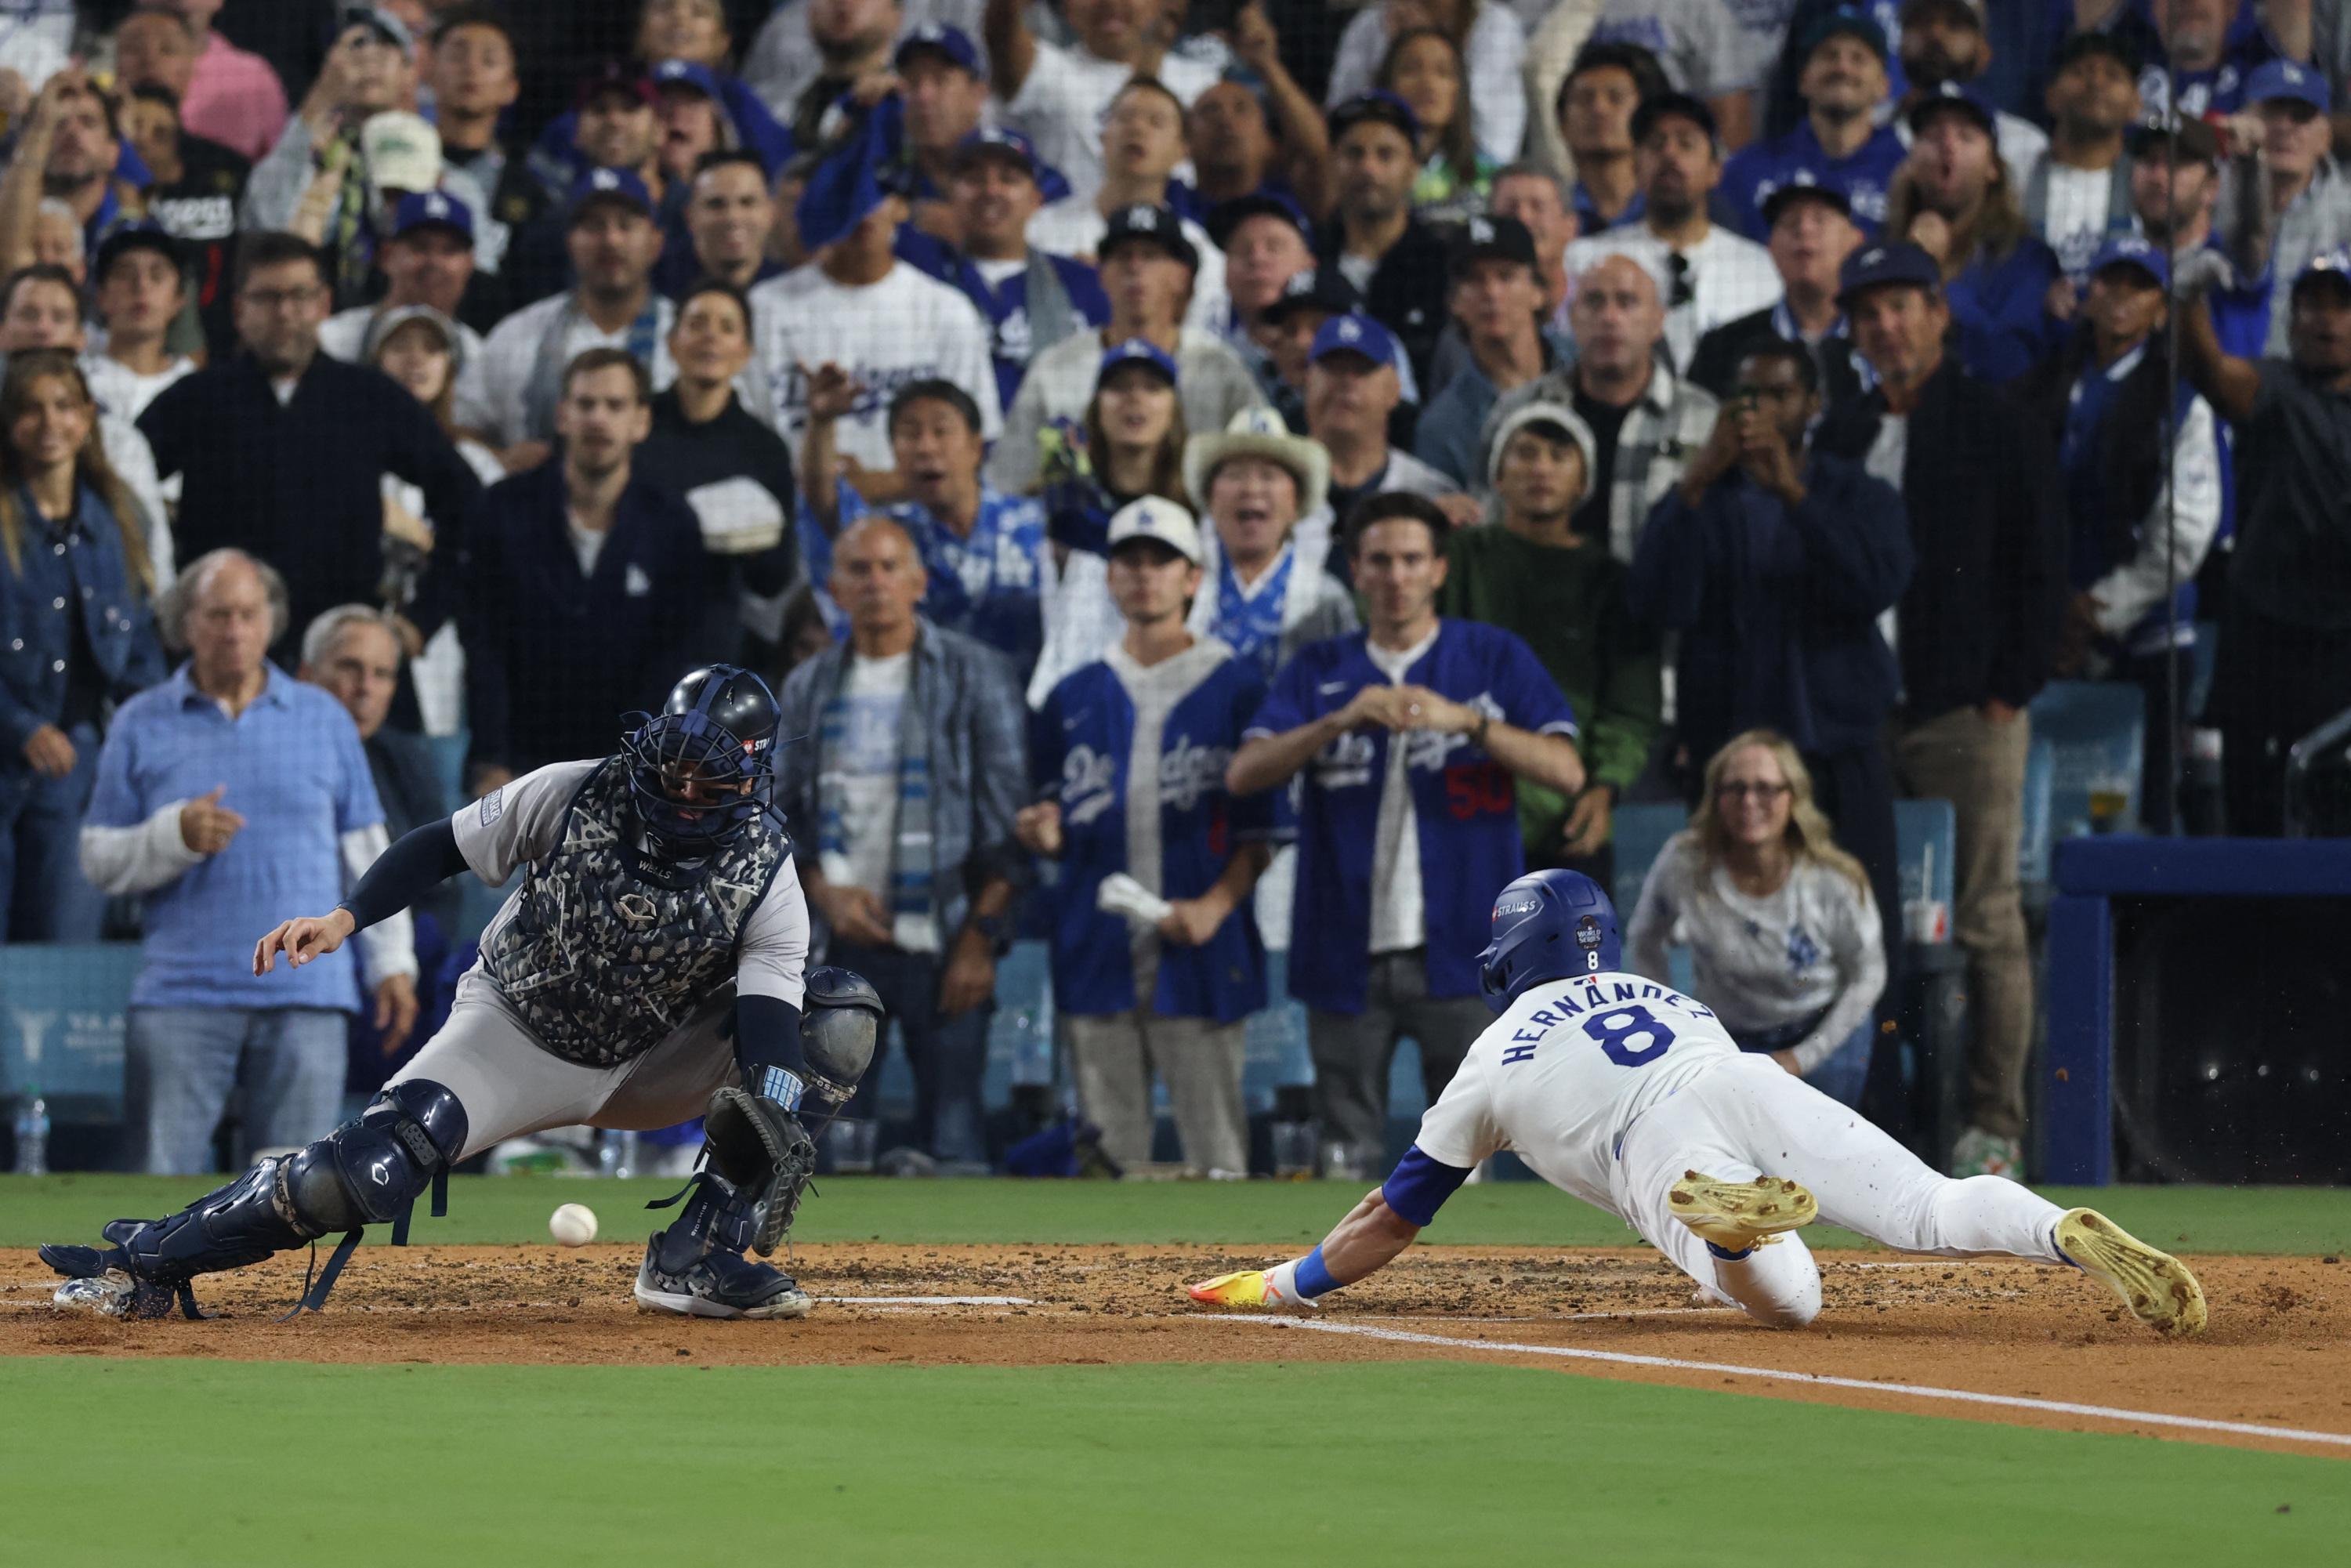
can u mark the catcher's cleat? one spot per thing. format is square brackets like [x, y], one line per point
[2157, 1287]
[1737, 1215]
[719, 1284]
[1248, 1288]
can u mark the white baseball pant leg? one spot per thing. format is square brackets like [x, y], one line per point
[1749, 1118]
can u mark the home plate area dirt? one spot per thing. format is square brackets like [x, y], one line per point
[2272, 1356]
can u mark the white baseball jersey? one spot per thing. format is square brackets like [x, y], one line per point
[1565, 1070]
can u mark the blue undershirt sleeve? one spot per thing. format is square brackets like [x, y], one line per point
[1419, 1185]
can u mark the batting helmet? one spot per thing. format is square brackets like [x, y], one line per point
[1548, 925]
[717, 730]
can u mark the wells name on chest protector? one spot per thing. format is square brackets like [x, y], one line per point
[603, 960]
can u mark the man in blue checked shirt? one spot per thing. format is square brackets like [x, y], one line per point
[1410, 735]
[1839, 143]
[1129, 755]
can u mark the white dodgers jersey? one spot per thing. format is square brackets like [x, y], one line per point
[1566, 1069]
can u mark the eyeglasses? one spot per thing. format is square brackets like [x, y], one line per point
[1737, 789]
[1684, 291]
[279, 298]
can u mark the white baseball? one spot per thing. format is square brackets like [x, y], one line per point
[574, 1225]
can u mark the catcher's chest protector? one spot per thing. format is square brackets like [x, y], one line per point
[603, 962]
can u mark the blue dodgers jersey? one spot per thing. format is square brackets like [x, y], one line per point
[1080, 744]
[1799, 159]
[989, 586]
[1465, 803]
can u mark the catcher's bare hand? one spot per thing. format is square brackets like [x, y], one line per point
[312, 937]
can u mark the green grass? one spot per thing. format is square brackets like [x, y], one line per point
[2282, 1220]
[1422, 1464]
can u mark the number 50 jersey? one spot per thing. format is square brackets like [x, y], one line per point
[1565, 1070]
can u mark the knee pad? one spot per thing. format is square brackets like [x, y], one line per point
[369, 1171]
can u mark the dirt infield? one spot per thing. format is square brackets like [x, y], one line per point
[2273, 1356]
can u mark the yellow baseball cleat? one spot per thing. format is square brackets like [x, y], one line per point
[2155, 1286]
[1249, 1288]
[1737, 1215]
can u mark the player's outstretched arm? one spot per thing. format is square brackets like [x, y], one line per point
[419, 861]
[1372, 1236]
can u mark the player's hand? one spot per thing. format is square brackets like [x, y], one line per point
[854, 914]
[1587, 823]
[1038, 828]
[207, 826]
[1787, 1059]
[50, 752]
[312, 937]
[1192, 922]
[969, 979]
[831, 391]
[395, 1011]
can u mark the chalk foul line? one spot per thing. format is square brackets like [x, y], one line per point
[1815, 1379]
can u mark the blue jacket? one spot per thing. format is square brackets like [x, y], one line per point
[2000, 311]
[64, 573]
[1079, 745]
[1777, 606]
[1798, 158]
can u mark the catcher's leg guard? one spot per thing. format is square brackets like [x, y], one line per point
[362, 1173]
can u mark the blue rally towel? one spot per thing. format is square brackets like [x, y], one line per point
[854, 174]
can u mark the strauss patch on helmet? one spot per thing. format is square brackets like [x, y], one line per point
[1527, 906]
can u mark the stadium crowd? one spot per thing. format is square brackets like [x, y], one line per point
[1203, 480]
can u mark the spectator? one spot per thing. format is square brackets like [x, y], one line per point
[1944, 52]
[1387, 254]
[1779, 921]
[231, 96]
[1774, 562]
[1128, 755]
[982, 552]
[992, 194]
[69, 151]
[57, 240]
[1717, 276]
[195, 190]
[353, 653]
[1542, 201]
[1408, 735]
[907, 796]
[728, 217]
[1267, 595]
[83, 636]
[1147, 266]
[1498, 298]
[40, 309]
[1812, 231]
[1351, 391]
[613, 128]
[140, 292]
[882, 321]
[2176, 183]
[854, 40]
[1562, 594]
[1973, 631]
[1956, 199]
[1058, 96]
[2139, 519]
[1424, 68]
[613, 244]
[473, 77]
[729, 464]
[694, 33]
[282, 451]
[2079, 198]
[2194, 44]
[1839, 145]
[1285, 330]
[2285, 656]
[943, 80]
[2304, 206]
[1488, 39]
[1697, 45]
[182, 764]
[1142, 143]
[587, 586]
[1603, 90]
[1646, 422]
[428, 264]
[692, 119]
[1267, 241]
[1265, 140]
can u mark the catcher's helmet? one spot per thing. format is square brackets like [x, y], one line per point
[717, 730]
[1548, 925]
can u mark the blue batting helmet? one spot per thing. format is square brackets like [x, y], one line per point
[717, 728]
[1548, 925]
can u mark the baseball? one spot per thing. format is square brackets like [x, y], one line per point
[574, 1225]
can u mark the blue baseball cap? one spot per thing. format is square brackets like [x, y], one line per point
[688, 73]
[2284, 78]
[994, 141]
[1226, 216]
[1956, 97]
[432, 210]
[941, 38]
[625, 186]
[2328, 263]
[2133, 250]
[1382, 106]
[1851, 23]
[140, 234]
[1880, 264]
[1353, 333]
[1136, 351]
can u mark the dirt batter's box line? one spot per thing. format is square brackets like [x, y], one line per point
[1816, 1379]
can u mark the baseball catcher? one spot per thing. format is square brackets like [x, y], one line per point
[649, 968]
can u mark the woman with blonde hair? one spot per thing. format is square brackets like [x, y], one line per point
[1780, 924]
[72, 540]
